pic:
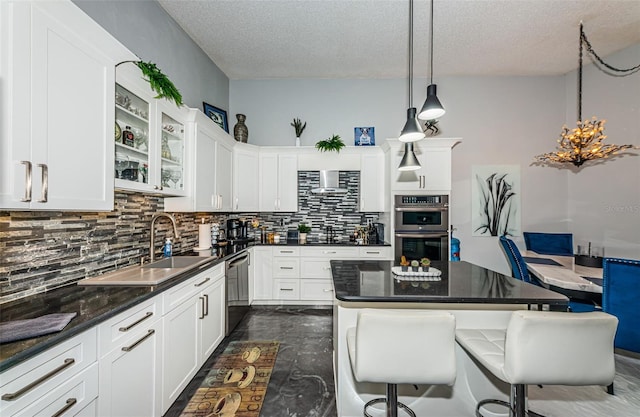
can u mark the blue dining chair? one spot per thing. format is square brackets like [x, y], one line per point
[620, 295]
[549, 243]
[519, 270]
[518, 266]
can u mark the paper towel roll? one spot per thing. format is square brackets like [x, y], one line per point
[204, 236]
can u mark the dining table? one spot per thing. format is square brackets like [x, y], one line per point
[563, 275]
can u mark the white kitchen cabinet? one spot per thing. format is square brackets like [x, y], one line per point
[435, 160]
[373, 183]
[208, 171]
[193, 327]
[246, 178]
[375, 252]
[130, 362]
[50, 372]
[278, 182]
[57, 70]
[150, 141]
[261, 274]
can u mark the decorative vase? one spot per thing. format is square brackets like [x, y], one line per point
[302, 238]
[298, 141]
[240, 130]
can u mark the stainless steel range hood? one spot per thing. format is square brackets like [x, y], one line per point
[329, 183]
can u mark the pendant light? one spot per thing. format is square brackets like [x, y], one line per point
[432, 108]
[411, 131]
[409, 161]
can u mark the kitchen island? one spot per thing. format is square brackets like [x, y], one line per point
[478, 297]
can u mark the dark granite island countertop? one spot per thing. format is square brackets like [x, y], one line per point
[460, 282]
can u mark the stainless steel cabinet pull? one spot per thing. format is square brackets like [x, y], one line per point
[10, 396]
[329, 251]
[373, 253]
[206, 304]
[286, 267]
[28, 184]
[286, 251]
[330, 290]
[202, 305]
[202, 283]
[135, 323]
[142, 339]
[286, 289]
[70, 403]
[44, 197]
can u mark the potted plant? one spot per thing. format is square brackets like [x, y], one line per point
[303, 229]
[299, 127]
[425, 263]
[415, 265]
[404, 264]
[158, 81]
[334, 143]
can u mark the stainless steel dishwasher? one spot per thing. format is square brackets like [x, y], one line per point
[237, 283]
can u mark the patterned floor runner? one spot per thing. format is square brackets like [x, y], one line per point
[237, 383]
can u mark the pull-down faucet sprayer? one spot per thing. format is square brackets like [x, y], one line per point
[152, 242]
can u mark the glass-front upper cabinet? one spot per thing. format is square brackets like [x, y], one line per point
[150, 138]
[171, 153]
[132, 137]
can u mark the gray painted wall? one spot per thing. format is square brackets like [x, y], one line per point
[149, 32]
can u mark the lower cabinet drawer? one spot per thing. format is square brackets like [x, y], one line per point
[376, 252]
[75, 397]
[113, 332]
[315, 268]
[316, 289]
[286, 267]
[286, 289]
[25, 384]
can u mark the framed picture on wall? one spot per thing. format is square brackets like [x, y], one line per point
[364, 136]
[219, 116]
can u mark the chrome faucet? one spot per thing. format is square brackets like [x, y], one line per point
[153, 232]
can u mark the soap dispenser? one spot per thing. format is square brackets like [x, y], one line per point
[167, 250]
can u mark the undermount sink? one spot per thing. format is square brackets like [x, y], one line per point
[175, 262]
[154, 273]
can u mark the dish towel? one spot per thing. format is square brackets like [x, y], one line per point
[12, 331]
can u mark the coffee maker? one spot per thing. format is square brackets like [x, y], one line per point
[236, 229]
[378, 229]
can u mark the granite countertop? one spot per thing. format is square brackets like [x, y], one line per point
[94, 304]
[460, 282]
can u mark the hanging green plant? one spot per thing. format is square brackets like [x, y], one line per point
[334, 143]
[158, 82]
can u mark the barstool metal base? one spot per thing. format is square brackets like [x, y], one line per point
[517, 405]
[384, 400]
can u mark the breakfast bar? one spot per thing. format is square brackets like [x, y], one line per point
[476, 296]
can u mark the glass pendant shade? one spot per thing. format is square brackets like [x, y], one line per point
[411, 132]
[432, 108]
[409, 161]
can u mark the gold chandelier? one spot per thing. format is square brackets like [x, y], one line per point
[584, 142]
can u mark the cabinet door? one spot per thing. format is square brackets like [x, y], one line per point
[169, 151]
[204, 184]
[373, 194]
[260, 273]
[61, 85]
[268, 182]
[224, 166]
[288, 183]
[212, 318]
[130, 375]
[434, 174]
[179, 350]
[245, 179]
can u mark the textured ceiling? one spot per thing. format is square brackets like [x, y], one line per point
[257, 39]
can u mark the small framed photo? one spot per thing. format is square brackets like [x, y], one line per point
[219, 116]
[365, 136]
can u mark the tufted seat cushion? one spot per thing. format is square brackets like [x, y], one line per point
[487, 346]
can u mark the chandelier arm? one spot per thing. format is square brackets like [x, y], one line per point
[583, 39]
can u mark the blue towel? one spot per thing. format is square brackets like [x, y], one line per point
[597, 281]
[13, 331]
[542, 261]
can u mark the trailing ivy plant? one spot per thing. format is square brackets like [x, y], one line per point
[158, 82]
[334, 143]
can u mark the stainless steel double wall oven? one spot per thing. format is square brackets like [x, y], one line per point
[421, 227]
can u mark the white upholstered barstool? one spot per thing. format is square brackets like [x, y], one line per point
[402, 347]
[544, 348]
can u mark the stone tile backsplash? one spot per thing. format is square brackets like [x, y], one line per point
[41, 250]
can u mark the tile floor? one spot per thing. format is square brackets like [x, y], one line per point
[301, 384]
